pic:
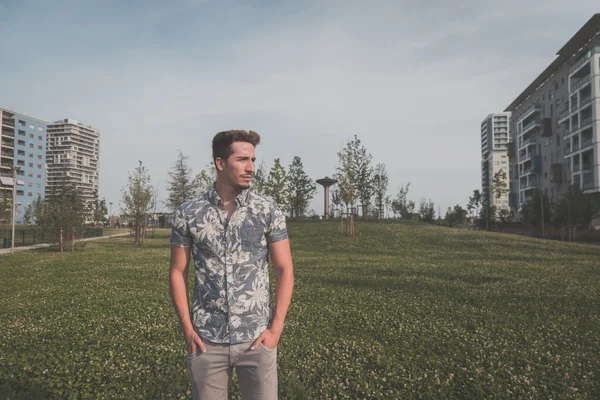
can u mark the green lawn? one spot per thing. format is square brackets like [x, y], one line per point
[397, 311]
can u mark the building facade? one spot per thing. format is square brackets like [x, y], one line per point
[23, 145]
[494, 156]
[555, 123]
[73, 156]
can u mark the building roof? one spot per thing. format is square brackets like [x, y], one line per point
[587, 32]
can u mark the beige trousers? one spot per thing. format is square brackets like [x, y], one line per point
[211, 371]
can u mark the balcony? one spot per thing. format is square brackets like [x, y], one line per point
[587, 143]
[584, 123]
[527, 157]
[581, 83]
[530, 126]
[584, 102]
[530, 185]
[8, 122]
[6, 165]
[589, 186]
[584, 59]
[563, 115]
[528, 142]
[535, 107]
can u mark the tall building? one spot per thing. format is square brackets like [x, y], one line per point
[22, 144]
[555, 123]
[494, 155]
[73, 155]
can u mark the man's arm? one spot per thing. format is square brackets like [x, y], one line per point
[180, 259]
[281, 257]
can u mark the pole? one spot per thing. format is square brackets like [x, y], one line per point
[110, 221]
[14, 209]
[542, 205]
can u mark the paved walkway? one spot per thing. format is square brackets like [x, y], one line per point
[42, 245]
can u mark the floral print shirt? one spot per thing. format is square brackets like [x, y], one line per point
[232, 298]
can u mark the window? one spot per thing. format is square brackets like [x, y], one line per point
[31, 136]
[30, 174]
[39, 166]
[39, 185]
[40, 128]
[40, 138]
[21, 133]
[20, 193]
[39, 176]
[30, 184]
[22, 123]
[31, 126]
[21, 173]
[30, 194]
[21, 143]
[20, 152]
[39, 147]
[30, 165]
[21, 162]
[30, 155]
[19, 203]
[31, 145]
[39, 156]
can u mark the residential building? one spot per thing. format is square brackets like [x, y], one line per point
[494, 155]
[73, 156]
[23, 144]
[555, 123]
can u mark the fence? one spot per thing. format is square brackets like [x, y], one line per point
[31, 236]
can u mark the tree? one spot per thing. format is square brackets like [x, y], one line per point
[381, 180]
[532, 210]
[259, 180]
[5, 205]
[475, 201]
[63, 211]
[98, 209]
[301, 188]
[456, 215]
[426, 210]
[181, 186]
[499, 184]
[401, 205]
[277, 186]
[137, 201]
[574, 208]
[365, 187]
[205, 180]
[38, 209]
[336, 202]
[346, 173]
[504, 216]
[28, 215]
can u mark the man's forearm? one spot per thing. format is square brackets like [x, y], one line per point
[285, 287]
[179, 296]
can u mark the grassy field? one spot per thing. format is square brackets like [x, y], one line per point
[397, 311]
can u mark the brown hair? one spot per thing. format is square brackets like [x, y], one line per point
[221, 144]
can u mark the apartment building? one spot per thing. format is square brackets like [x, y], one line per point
[73, 156]
[555, 123]
[494, 155]
[22, 145]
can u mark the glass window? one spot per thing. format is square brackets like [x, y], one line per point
[22, 123]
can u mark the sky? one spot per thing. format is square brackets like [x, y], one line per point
[413, 80]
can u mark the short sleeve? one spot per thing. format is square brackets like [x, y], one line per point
[277, 229]
[180, 233]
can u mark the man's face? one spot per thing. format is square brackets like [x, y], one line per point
[239, 167]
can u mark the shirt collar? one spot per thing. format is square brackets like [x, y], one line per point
[241, 199]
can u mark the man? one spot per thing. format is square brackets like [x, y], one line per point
[230, 232]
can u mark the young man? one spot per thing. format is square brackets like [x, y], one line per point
[229, 233]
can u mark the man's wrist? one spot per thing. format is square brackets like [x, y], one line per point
[277, 327]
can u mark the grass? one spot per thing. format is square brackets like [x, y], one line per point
[397, 311]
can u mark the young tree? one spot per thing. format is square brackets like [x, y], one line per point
[531, 211]
[426, 210]
[259, 180]
[301, 188]
[475, 201]
[38, 209]
[500, 184]
[63, 212]
[28, 216]
[336, 202]
[365, 187]
[98, 209]
[206, 178]
[346, 173]
[180, 186]
[401, 205]
[277, 186]
[137, 201]
[5, 205]
[381, 181]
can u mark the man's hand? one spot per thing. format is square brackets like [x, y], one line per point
[269, 338]
[193, 342]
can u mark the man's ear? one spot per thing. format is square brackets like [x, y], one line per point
[220, 163]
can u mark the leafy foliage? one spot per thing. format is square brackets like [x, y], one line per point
[137, 201]
[301, 188]
[277, 186]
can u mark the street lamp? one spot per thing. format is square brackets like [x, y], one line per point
[110, 220]
[16, 168]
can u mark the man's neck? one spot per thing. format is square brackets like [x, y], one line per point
[226, 192]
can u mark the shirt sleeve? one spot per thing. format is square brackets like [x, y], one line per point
[180, 232]
[277, 229]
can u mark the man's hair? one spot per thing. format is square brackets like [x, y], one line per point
[221, 144]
